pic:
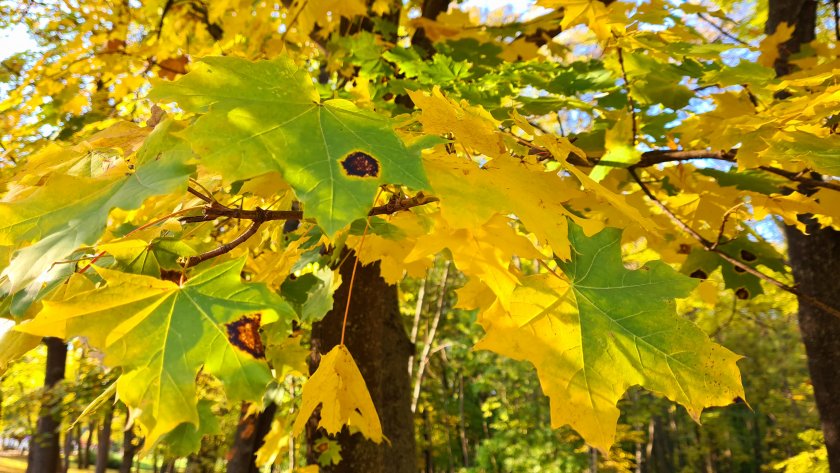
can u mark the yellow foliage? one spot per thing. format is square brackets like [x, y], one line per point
[338, 387]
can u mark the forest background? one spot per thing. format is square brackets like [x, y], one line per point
[622, 195]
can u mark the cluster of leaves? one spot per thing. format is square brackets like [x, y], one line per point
[400, 137]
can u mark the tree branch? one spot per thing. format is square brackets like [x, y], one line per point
[214, 209]
[709, 246]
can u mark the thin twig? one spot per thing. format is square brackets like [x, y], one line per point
[709, 246]
[293, 20]
[723, 31]
[723, 224]
[430, 338]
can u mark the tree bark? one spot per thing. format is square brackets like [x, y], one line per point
[250, 433]
[103, 438]
[129, 447]
[68, 450]
[44, 451]
[377, 340]
[815, 259]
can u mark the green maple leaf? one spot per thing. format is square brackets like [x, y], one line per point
[267, 116]
[161, 334]
[69, 212]
[606, 329]
[186, 438]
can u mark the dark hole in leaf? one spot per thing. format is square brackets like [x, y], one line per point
[747, 256]
[739, 269]
[171, 275]
[742, 293]
[699, 274]
[245, 335]
[360, 164]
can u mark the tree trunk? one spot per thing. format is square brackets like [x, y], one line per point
[249, 438]
[84, 454]
[129, 447]
[815, 259]
[44, 450]
[68, 449]
[168, 466]
[103, 448]
[378, 342]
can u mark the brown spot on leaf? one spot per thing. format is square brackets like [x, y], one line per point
[684, 249]
[360, 164]
[245, 335]
[739, 270]
[747, 256]
[742, 293]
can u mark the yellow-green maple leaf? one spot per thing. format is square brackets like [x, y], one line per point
[606, 329]
[161, 334]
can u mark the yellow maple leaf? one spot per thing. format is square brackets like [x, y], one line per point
[470, 195]
[473, 127]
[275, 444]
[337, 385]
[592, 13]
[769, 46]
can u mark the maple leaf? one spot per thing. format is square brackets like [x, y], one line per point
[470, 195]
[161, 334]
[472, 126]
[605, 329]
[338, 386]
[266, 116]
[68, 212]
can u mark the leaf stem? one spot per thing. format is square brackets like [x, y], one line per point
[353, 273]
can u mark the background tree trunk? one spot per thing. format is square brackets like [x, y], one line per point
[129, 447]
[250, 433]
[44, 450]
[380, 346]
[103, 438]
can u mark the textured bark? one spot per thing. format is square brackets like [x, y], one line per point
[380, 346]
[249, 437]
[815, 260]
[44, 452]
[815, 257]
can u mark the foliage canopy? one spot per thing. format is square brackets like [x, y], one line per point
[577, 164]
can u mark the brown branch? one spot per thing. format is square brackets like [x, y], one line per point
[217, 210]
[258, 216]
[709, 246]
[652, 158]
[225, 248]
